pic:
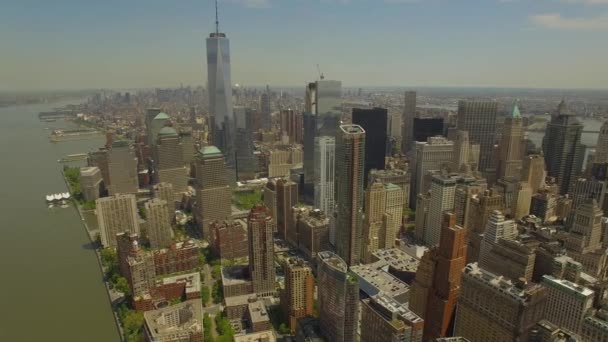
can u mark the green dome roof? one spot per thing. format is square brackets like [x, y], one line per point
[167, 131]
[161, 116]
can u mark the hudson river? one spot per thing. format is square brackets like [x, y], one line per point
[51, 287]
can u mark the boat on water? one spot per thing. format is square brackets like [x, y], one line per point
[61, 197]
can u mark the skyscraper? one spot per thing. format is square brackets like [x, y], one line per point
[601, 149]
[297, 297]
[157, 123]
[169, 160]
[510, 161]
[434, 154]
[562, 147]
[436, 288]
[287, 197]
[443, 189]
[265, 109]
[261, 250]
[338, 299]
[492, 308]
[479, 119]
[213, 197]
[567, 303]
[409, 112]
[219, 89]
[350, 158]
[116, 214]
[323, 111]
[325, 154]
[122, 169]
[497, 228]
[374, 122]
[159, 229]
[375, 204]
[245, 160]
[533, 172]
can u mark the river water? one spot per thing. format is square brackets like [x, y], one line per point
[51, 288]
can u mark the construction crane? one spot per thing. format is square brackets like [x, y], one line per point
[321, 76]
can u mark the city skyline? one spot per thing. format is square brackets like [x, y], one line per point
[68, 45]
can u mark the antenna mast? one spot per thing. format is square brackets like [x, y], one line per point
[217, 21]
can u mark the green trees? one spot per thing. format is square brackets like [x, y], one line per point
[132, 322]
[121, 284]
[207, 328]
[284, 329]
[218, 292]
[224, 329]
[205, 295]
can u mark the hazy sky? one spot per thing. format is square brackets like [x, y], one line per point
[68, 44]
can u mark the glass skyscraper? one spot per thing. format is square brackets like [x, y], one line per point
[219, 89]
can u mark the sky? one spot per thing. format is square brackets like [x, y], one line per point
[76, 44]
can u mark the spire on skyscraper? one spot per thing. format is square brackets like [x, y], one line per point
[217, 20]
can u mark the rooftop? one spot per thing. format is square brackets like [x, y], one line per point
[261, 336]
[333, 260]
[180, 319]
[257, 312]
[210, 150]
[373, 280]
[396, 258]
[567, 286]
[234, 275]
[352, 129]
[192, 280]
[167, 131]
[501, 284]
[161, 116]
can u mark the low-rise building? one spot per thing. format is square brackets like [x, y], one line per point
[175, 323]
[236, 281]
[229, 239]
[179, 257]
[385, 319]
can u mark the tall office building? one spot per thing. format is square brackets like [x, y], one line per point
[325, 155]
[479, 119]
[261, 250]
[443, 189]
[158, 226]
[122, 169]
[567, 303]
[151, 113]
[398, 177]
[522, 198]
[409, 113]
[533, 171]
[374, 122]
[265, 109]
[291, 126]
[562, 147]
[169, 160]
[481, 207]
[154, 126]
[435, 154]
[287, 198]
[322, 115]
[601, 148]
[338, 299]
[393, 213]
[297, 298]
[213, 196]
[164, 191]
[385, 319]
[466, 155]
[424, 128]
[436, 288]
[245, 160]
[492, 308]
[350, 158]
[497, 228]
[219, 90]
[375, 206]
[116, 214]
[269, 193]
[510, 161]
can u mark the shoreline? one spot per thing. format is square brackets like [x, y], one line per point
[78, 209]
